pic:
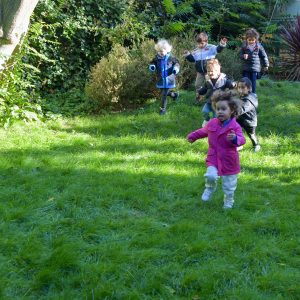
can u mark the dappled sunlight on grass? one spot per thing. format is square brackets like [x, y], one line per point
[112, 204]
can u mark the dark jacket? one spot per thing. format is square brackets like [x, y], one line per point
[209, 87]
[201, 56]
[256, 58]
[166, 68]
[248, 115]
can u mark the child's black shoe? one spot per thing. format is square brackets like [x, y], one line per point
[162, 111]
[175, 96]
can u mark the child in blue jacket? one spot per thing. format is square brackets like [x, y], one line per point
[167, 67]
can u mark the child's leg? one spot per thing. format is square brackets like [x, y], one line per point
[211, 180]
[252, 135]
[200, 79]
[229, 184]
[206, 110]
[252, 76]
[164, 101]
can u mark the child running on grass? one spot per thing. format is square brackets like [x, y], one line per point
[167, 67]
[214, 80]
[254, 57]
[201, 55]
[248, 115]
[224, 136]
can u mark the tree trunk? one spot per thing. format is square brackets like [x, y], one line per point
[14, 21]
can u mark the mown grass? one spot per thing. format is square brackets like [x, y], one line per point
[109, 208]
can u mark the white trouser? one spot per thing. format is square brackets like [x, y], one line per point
[229, 182]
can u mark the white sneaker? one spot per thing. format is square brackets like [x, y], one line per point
[207, 194]
[204, 123]
[228, 204]
[239, 148]
[256, 148]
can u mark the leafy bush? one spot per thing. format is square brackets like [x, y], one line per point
[231, 63]
[121, 79]
[17, 100]
[187, 74]
[68, 37]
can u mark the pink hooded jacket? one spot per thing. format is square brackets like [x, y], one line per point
[222, 153]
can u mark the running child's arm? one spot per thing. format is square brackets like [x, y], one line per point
[222, 45]
[264, 57]
[229, 84]
[198, 134]
[188, 56]
[203, 90]
[175, 67]
[236, 137]
[152, 65]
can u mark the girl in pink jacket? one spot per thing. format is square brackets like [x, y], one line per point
[224, 136]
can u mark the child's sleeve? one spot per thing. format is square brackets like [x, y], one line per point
[203, 90]
[229, 84]
[246, 107]
[152, 65]
[190, 58]
[198, 134]
[264, 57]
[221, 47]
[175, 67]
[242, 52]
[240, 139]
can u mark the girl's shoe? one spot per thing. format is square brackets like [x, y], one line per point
[228, 204]
[207, 194]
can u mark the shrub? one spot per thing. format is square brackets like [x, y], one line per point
[231, 63]
[290, 58]
[121, 79]
[187, 74]
[18, 101]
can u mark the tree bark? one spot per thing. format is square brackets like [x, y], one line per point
[14, 22]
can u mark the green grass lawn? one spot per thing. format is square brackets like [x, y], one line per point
[109, 208]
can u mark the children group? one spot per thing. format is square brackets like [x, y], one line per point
[232, 105]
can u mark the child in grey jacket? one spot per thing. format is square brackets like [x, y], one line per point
[254, 57]
[247, 116]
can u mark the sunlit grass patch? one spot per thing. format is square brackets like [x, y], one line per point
[109, 207]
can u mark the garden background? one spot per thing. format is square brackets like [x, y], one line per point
[100, 196]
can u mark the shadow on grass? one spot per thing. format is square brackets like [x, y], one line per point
[281, 119]
[64, 219]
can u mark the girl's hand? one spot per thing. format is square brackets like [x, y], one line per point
[186, 52]
[231, 136]
[246, 56]
[223, 41]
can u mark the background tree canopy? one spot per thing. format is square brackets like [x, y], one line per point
[68, 37]
[71, 35]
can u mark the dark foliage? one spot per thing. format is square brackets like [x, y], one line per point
[290, 57]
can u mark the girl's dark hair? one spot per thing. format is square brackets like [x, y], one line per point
[252, 33]
[231, 97]
[247, 82]
[202, 37]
